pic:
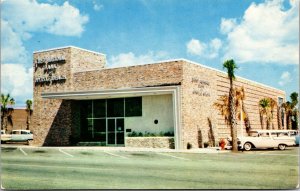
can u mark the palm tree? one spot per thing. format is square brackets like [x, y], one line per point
[231, 66]
[273, 105]
[295, 113]
[6, 110]
[264, 110]
[291, 110]
[222, 105]
[288, 112]
[241, 96]
[29, 112]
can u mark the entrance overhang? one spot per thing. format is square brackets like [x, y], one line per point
[129, 92]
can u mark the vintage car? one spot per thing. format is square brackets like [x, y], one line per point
[5, 137]
[296, 134]
[266, 139]
[16, 136]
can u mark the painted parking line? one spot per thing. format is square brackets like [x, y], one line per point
[23, 151]
[56, 166]
[65, 153]
[115, 155]
[173, 156]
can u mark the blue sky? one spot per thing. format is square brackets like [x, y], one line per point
[261, 36]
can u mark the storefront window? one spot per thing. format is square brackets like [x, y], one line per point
[115, 107]
[99, 108]
[133, 106]
[103, 120]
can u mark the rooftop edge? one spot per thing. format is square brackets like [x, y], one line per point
[64, 47]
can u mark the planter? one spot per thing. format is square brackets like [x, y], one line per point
[150, 142]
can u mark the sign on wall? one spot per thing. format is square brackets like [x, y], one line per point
[202, 87]
[49, 65]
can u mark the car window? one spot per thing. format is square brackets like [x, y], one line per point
[264, 135]
[24, 132]
[16, 132]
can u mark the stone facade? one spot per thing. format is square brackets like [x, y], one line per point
[55, 120]
[150, 142]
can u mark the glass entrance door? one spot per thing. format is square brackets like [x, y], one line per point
[115, 131]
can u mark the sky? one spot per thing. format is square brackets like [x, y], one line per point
[261, 36]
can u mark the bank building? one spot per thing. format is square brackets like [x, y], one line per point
[78, 100]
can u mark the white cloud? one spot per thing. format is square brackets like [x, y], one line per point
[129, 59]
[227, 25]
[195, 47]
[198, 48]
[12, 49]
[17, 80]
[266, 34]
[285, 78]
[97, 7]
[30, 16]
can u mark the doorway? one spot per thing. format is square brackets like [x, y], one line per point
[115, 132]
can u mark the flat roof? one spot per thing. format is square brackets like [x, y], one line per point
[63, 47]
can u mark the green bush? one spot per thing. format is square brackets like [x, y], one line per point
[149, 134]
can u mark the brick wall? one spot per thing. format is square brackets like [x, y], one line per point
[19, 117]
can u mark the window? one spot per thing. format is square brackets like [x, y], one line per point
[99, 108]
[133, 106]
[86, 109]
[115, 107]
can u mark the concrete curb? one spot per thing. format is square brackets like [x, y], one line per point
[125, 149]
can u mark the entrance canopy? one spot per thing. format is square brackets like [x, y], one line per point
[127, 92]
[111, 93]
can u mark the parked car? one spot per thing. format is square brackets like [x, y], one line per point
[296, 134]
[5, 137]
[266, 139]
[16, 136]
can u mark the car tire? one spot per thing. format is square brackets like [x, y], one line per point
[281, 146]
[247, 146]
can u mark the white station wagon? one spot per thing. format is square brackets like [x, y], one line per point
[16, 136]
[266, 139]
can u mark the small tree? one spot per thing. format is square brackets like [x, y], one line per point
[265, 109]
[6, 110]
[29, 112]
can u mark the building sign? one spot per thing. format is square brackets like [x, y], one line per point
[202, 87]
[49, 66]
[50, 60]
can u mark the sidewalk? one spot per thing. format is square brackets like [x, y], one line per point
[126, 149]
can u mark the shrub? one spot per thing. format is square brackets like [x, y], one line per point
[132, 134]
[206, 144]
[189, 146]
[140, 134]
[169, 134]
[149, 134]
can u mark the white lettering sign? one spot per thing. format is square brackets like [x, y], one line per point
[49, 59]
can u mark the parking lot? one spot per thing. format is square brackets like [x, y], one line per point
[25, 167]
